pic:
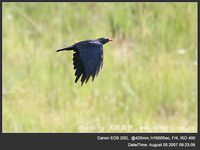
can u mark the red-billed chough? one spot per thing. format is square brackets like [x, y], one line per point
[88, 58]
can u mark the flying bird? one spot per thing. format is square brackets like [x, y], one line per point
[88, 58]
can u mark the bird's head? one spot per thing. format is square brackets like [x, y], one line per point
[104, 40]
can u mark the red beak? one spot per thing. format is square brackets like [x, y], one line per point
[111, 40]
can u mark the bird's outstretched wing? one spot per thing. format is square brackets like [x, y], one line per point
[88, 59]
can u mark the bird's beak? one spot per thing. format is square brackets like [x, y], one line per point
[111, 40]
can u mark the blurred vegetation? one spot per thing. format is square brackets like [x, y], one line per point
[149, 76]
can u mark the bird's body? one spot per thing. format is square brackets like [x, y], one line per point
[88, 58]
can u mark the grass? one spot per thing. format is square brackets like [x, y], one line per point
[145, 81]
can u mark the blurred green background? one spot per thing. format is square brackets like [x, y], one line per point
[149, 76]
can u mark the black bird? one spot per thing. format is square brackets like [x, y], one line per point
[88, 58]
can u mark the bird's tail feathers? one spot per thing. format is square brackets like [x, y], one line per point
[67, 48]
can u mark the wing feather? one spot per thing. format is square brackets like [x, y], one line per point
[88, 59]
